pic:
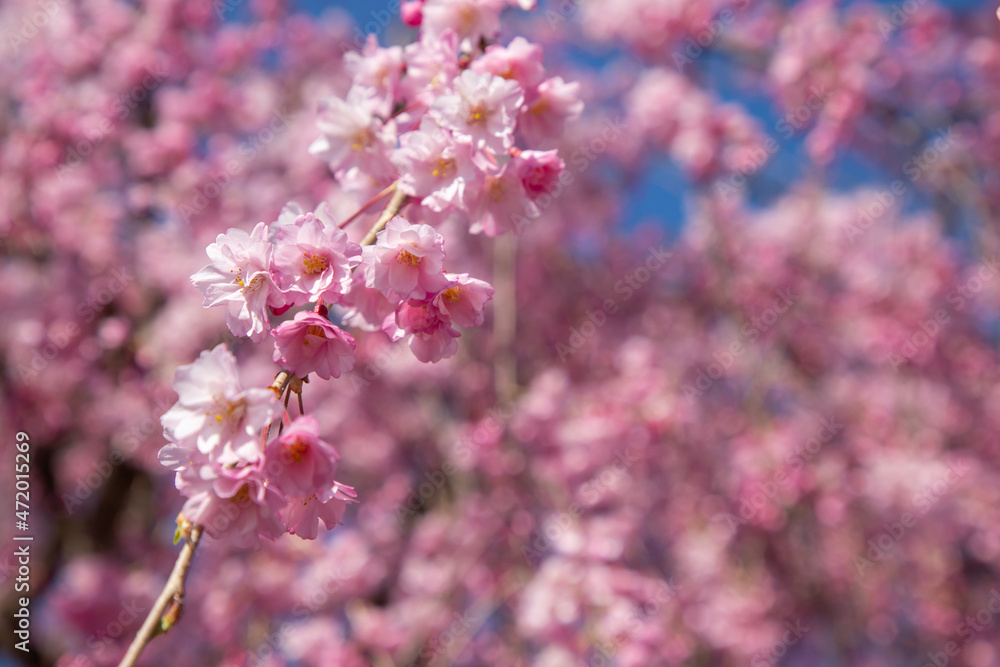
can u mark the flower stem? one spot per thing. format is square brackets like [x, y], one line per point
[371, 201]
[399, 198]
[169, 605]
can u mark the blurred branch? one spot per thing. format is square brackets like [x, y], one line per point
[391, 209]
[505, 317]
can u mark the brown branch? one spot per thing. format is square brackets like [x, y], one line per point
[169, 605]
[371, 201]
[399, 198]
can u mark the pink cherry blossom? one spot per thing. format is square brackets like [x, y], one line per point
[519, 61]
[412, 12]
[463, 300]
[500, 200]
[234, 505]
[312, 343]
[305, 463]
[354, 136]
[546, 114]
[678, 461]
[427, 329]
[302, 515]
[406, 260]
[314, 258]
[365, 308]
[470, 19]
[377, 72]
[214, 413]
[239, 278]
[431, 66]
[539, 171]
[434, 167]
[482, 110]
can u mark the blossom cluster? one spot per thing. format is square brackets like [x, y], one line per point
[235, 484]
[397, 284]
[437, 123]
[461, 128]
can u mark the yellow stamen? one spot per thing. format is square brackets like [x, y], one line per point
[297, 449]
[314, 264]
[445, 166]
[408, 258]
[242, 496]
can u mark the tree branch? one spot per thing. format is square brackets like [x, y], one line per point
[169, 605]
[391, 209]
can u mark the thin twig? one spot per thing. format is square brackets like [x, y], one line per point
[169, 605]
[391, 209]
[172, 597]
[371, 201]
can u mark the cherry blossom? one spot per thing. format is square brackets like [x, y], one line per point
[427, 329]
[232, 504]
[314, 258]
[483, 109]
[545, 115]
[462, 301]
[239, 278]
[406, 260]
[679, 461]
[354, 135]
[435, 167]
[214, 413]
[310, 343]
